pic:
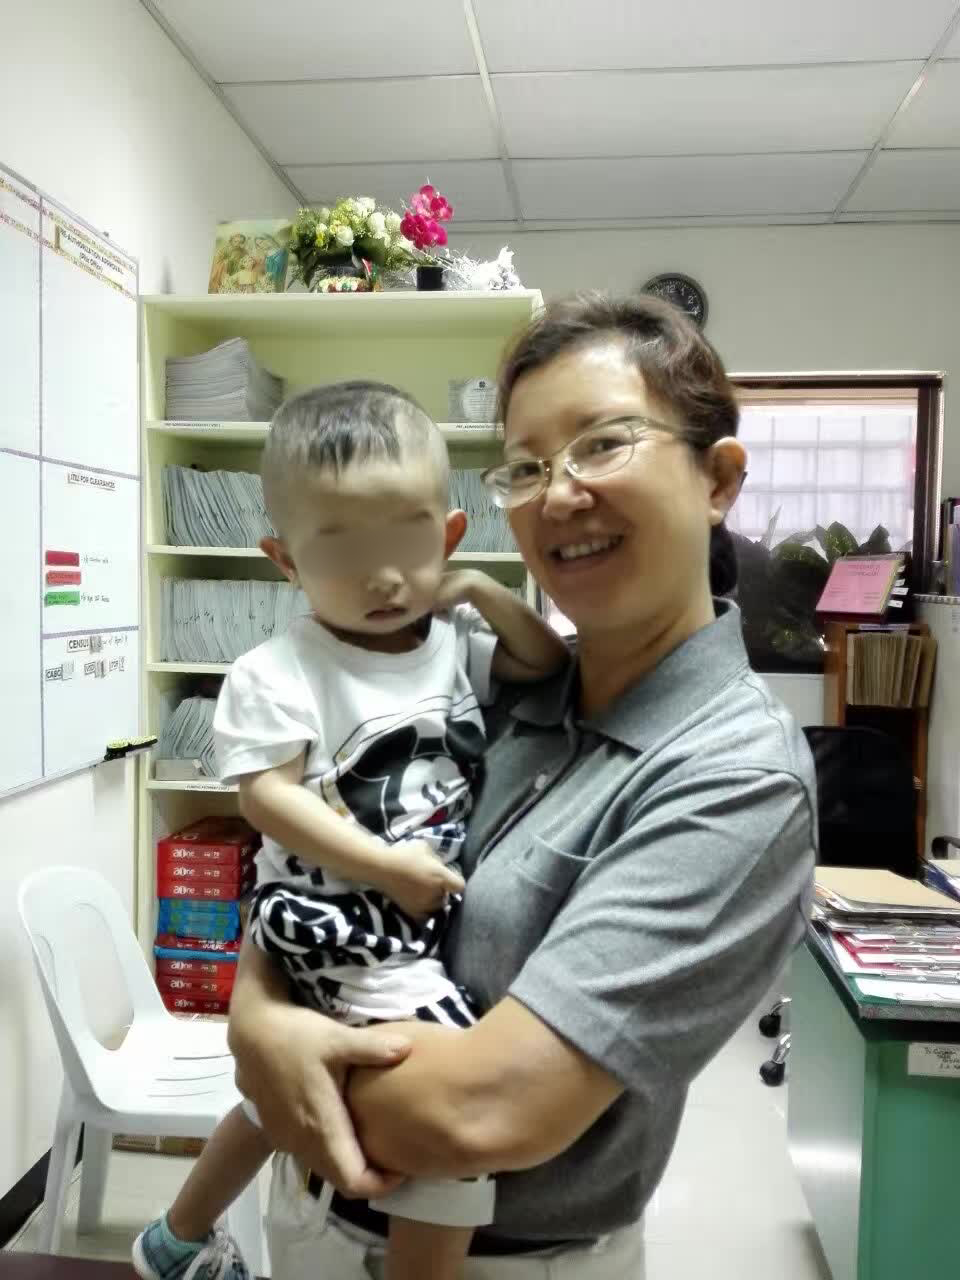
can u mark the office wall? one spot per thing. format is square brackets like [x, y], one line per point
[98, 108]
[785, 298]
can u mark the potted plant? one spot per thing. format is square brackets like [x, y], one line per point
[422, 225]
[345, 248]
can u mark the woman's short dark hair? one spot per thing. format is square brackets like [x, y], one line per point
[679, 366]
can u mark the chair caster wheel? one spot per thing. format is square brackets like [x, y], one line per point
[769, 1025]
[773, 1073]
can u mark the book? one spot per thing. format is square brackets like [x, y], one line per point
[889, 667]
[854, 892]
[864, 587]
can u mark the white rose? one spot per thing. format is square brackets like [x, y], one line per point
[393, 221]
[377, 223]
[344, 236]
[323, 215]
[366, 205]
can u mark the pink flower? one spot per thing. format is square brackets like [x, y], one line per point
[428, 191]
[420, 203]
[441, 208]
[441, 235]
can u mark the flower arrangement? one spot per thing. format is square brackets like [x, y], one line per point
[339, 241]
[422, 224]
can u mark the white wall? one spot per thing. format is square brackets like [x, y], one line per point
[785, 299]
[100, 110]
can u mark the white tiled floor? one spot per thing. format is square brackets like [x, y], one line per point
[729, 1206]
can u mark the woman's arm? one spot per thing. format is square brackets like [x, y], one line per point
[509, 1093]
[292, 1063]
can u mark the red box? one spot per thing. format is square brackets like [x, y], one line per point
[229, 841]
[177, 1003]
[173, 942]
[217, 970]
[203, 892]
[206, 873]
[198, 988]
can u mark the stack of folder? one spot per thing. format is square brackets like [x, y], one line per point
[225, 384]
[188, 734]
[218, 619]
[889, 667]
[895, 939]
[487, 528]
[213, 508]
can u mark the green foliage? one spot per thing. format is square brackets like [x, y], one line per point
[778, 589]
[326, 241]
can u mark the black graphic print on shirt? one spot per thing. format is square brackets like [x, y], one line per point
[410, 772]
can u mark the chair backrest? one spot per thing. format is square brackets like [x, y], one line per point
[49, 903]
[866, 799]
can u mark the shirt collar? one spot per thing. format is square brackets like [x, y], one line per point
[683, 681]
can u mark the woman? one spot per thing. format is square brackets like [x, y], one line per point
[640, 853]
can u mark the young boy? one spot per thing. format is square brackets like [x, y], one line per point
[356, 739]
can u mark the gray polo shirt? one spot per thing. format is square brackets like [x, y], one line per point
[636, 880]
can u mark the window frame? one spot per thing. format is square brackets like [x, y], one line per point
[929, 442]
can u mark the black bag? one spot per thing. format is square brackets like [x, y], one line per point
[866, 799]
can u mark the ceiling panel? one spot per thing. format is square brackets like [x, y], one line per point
[902, 181]
[330, 123]
[684, 187]
[476, 189]
[563, 35]
[295, 40]
[933, 117]
[685, 112]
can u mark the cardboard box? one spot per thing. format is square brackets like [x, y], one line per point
[200, 988]
[211, 946]
[205, 872]
[204, 891]
[165, 1146]
[178, 1003]
[218, 970]
[226, 840]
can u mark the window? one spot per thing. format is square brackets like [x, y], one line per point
[834, 466]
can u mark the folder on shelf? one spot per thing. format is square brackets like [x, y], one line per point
[861, 588]
[852, 893]
[224, 384]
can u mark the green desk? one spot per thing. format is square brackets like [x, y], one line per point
[877, 1150]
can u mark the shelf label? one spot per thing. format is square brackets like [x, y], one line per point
[933, 1060]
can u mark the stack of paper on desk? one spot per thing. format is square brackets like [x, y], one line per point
[214, 508]
[218, 619]
[884, 928]
[225, 384]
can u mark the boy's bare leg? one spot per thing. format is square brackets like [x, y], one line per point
[233, 1156]
[425, 1250]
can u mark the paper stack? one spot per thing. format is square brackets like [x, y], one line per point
[188, 734]
[204, 873]
[213, 508]
[487, 528]
[225, 384]
[218, 619]
[889, 668]
[897, 939]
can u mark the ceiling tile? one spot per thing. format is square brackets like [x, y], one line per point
[566, 35]
[476, 189]
[910, 180]
[688, 112]
[294, 40]
[933, 117]
[347, 122]
[681, 187]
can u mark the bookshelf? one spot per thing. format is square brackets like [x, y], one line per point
[908, 724]
[416, 341]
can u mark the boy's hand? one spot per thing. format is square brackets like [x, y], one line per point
[457, 587]
[417, 880]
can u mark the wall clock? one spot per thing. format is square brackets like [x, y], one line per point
[682, 292]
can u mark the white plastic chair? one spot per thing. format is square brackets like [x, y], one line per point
[170, 1077]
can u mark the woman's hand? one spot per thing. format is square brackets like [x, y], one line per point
[293, 1065]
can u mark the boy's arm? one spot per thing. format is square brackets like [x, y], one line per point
[528, 649]
[276, 803]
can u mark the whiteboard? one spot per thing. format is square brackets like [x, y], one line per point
[70, 484]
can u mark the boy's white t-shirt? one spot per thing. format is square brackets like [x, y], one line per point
[393, 741]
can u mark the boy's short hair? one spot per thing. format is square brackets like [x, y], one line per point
[342, 424]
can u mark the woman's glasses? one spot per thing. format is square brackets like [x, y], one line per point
[595, 453]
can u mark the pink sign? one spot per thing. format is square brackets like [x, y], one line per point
[859, 586]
